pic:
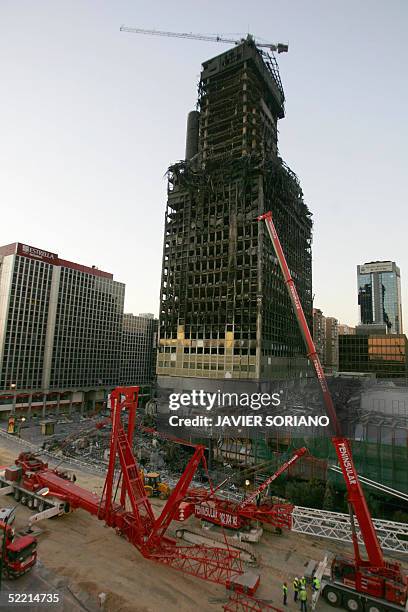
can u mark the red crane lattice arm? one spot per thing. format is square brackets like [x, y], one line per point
[251, 498]
[178, 494]
[343, 449]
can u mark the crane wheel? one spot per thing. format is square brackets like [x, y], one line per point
[17, 495]
[149, 491]
[41, 506]
[332, 596]
[374, 608]
[30, 503]
[352, 603]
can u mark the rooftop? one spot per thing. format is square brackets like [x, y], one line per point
[25, 250]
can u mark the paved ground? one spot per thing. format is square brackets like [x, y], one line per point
[41, 581]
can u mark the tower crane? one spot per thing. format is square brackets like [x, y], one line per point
[279, 47]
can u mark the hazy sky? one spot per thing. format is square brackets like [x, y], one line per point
[91, 118]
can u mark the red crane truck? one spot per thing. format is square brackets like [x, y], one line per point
[362, 585]
[18, 554]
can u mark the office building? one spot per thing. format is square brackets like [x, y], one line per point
[379, 295]
[346, 330]
[369, 329]
[385, 355]
[332, 343]
[139, 349]
[319, 333]
[60, 326]
[225, 312]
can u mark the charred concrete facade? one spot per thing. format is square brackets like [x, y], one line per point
[225, 312]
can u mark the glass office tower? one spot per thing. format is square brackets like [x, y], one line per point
[379, 295]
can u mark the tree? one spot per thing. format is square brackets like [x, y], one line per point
[308, 494]
[329, 500]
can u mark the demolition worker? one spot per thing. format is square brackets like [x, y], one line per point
[296, 588]
[303, 600]
[285, 593]
[315, 584]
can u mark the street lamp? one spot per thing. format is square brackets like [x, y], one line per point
[13, 387]
[246, 483]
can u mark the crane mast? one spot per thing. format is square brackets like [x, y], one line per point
[356, 498]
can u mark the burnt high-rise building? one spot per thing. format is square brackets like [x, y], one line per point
[225, 312]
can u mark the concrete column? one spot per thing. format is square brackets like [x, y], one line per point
[30, 401]
[70, 404]
[13, 409]
[49, 337]
[58, 404]
[44, 404]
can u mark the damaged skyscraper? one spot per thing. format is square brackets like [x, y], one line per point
[225, 312]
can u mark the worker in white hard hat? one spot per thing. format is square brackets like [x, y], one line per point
[303, 599]
[296, 589]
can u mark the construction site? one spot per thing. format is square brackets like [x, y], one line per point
[106, 510]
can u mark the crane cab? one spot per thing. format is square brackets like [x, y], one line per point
[389, 585]
[21, 555]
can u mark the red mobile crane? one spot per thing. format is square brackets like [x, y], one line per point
[373, 585]
[132, 514]
[206, 505]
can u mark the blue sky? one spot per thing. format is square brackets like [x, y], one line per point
[92, 118]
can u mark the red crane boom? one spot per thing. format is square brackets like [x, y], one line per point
[285, 466]
[374, 582]
[355, 492]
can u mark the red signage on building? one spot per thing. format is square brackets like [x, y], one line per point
[34, 253]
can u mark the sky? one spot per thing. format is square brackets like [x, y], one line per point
[92, 117]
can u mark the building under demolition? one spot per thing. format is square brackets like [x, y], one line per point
[225, 312]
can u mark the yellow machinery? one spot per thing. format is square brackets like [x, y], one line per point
[154, 487]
